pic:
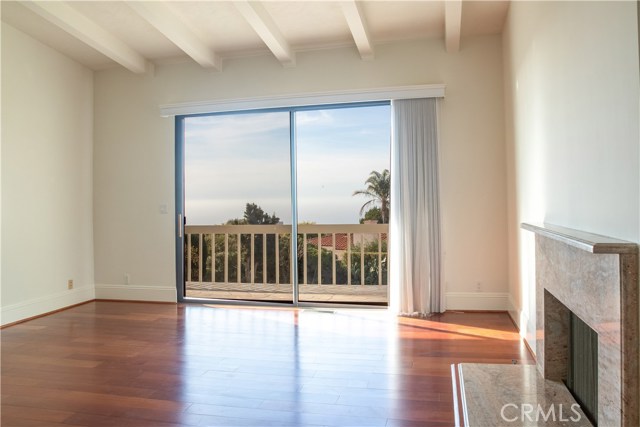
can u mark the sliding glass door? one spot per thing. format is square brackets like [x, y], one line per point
[343, 199]
[237, 203]
[287, 205]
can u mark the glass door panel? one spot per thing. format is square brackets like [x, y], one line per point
[237, 192]
[343, 203]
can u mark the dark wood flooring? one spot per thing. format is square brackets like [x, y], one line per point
[134, 364]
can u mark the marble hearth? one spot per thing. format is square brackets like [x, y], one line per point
[596, 278]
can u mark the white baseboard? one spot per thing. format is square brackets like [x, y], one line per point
[514, 312]
[136, 293]
[522, 321]
[476, 301]
[45, 304]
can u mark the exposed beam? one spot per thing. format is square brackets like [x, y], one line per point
[358, 26]
[452, 24]
[262, 23]
[163, 19]
[78, 25]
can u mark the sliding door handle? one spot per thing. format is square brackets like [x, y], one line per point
[180, 225]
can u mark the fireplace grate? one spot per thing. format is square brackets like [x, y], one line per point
[582, 373]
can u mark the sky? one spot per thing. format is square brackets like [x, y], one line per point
[235, 159]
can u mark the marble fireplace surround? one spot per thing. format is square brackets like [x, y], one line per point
[595, 277]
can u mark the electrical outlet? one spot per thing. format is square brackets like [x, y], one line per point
[479, 286]
[70, 284]
[127, 278]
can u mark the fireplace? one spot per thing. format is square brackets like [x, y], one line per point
[586, 339]
[587, 320]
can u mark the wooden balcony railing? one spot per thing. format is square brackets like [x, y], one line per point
[335, 254]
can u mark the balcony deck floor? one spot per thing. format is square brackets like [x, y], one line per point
[367, 294]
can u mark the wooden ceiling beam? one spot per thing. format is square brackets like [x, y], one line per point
[163, 19]
[358, 25]
[452, 24]
[262, 23]
[84, 29]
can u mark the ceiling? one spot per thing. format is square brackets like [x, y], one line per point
[136, 34]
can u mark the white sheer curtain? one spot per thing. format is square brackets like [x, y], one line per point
[414, 219]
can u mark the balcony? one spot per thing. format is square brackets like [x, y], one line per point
[337, 263]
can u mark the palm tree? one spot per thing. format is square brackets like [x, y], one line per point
[378, 189]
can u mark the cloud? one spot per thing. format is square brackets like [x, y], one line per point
[314, 118]
[235, 125]
[238, 158]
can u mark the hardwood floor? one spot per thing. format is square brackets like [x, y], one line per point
[134, 364]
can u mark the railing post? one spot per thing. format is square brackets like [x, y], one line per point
[189, 257]
[200, 257]
[387, 259]
[264, 258]
[304, 258]
[213, 258]
[379, 259]
[333, 257]
[362, 259]
[293, 259]
[277, 239]
[319, 258]
[253, 259]
[239, 260]
[348, 258]
[226, 258]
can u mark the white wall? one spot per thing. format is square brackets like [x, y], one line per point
[572, 131]
[134, 158]
[47, 225]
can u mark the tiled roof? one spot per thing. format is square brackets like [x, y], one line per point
[327, 241]
[341, 240]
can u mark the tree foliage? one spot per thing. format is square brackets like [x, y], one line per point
[373, 214]
[254, 214]
[377, 191]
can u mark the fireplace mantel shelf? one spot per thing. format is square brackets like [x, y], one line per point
[593, 243]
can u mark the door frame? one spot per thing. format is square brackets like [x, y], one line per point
[180, 219]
